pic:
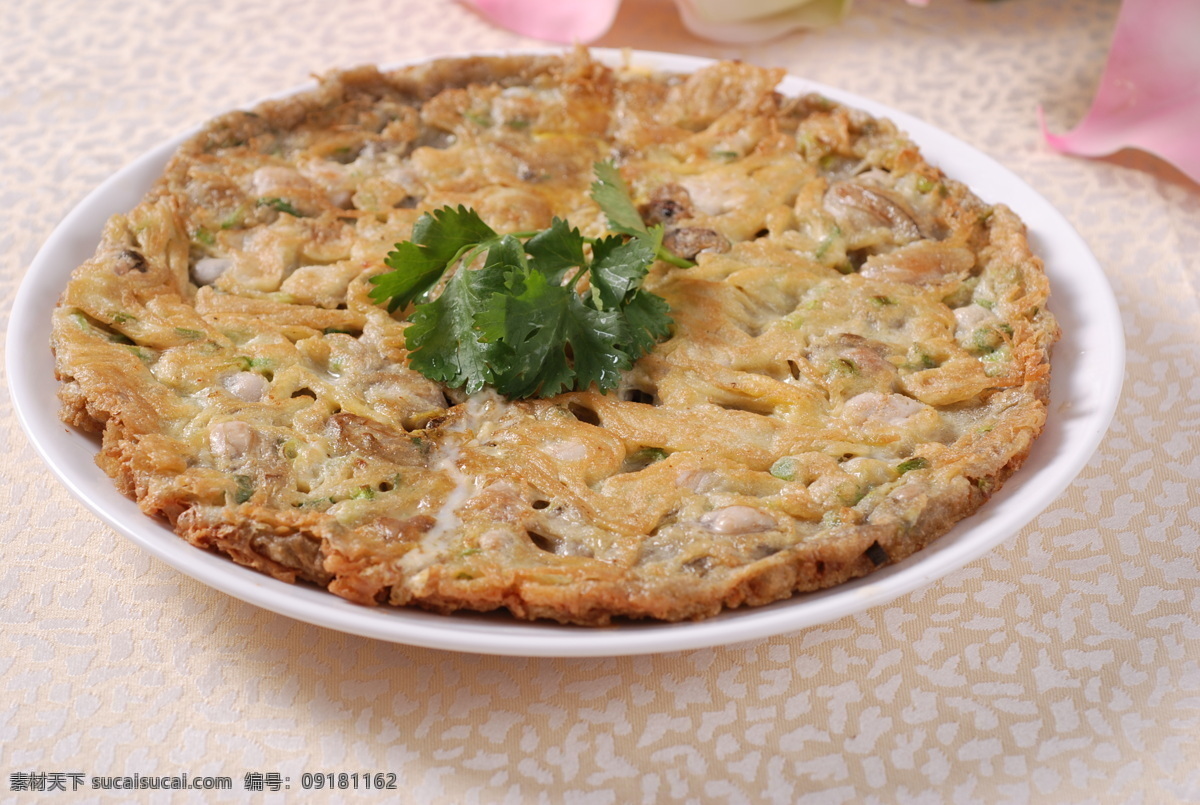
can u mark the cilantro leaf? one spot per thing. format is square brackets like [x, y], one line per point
[618, 267]
[557, 341]
[556, 250]
[647, 321]
[442, 339]
[617, 271]
[611, 193]
[438, 239]
[523, 320]
[446, 232]
[506, 255]
[414, 273]
[597, 341]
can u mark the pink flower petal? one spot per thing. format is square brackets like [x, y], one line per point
[566, 21]
[1149, 96]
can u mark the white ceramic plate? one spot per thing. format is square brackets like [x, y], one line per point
[1088, 370]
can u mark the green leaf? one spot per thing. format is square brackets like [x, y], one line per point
[415, 272]
[517, 322]
[618, 268]
[526, 322]
[554, 340]
[612, 194]
[647, 321]
[506, 255]
[444, 233]
[595, 338]
[556, 250]
[442, 339]
[439, 239]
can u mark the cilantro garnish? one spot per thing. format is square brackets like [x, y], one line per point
[610, 192]
[518, 321]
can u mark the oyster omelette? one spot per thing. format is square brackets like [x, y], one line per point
[857, 359]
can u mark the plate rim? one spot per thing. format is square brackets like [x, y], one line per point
[971, 538]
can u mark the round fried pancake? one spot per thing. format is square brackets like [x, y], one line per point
[859, 358]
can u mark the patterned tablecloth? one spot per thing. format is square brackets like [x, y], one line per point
[1064, 666]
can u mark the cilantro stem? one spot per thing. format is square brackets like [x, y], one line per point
[575, 277]
[667, 256]
[467, 253]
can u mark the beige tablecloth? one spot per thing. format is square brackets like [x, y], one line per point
[1064, 666]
